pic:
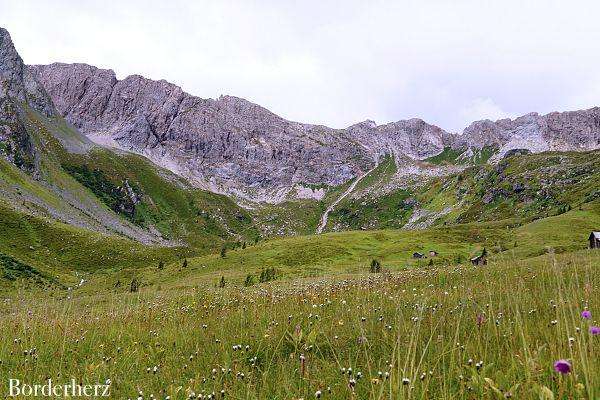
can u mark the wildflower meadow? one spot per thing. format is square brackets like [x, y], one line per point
[522, 330]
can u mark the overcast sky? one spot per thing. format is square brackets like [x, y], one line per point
[336, 63]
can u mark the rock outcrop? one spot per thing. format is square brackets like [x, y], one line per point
[557, 131]
[18, 89]
[227, 145]
[17, 81]
[232, 146]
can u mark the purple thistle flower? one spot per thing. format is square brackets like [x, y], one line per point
[562, 366]
[480, 319]
[595, 330]
[586, 314]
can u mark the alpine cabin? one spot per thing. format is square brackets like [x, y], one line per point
[595, 240]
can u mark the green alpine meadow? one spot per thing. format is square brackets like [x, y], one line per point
[157, 245]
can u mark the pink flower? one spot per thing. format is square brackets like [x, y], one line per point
[586, 314]
[480, 319]
[562, 366]
[595, 330]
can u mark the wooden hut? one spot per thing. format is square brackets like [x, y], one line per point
[594, 240]
[480, 259]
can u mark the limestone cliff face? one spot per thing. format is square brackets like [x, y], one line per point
[413, 139]
[232, 146]
[17, 81]
[227, 145]
[18, 89]
[564, 131]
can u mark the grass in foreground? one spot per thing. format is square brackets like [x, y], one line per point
[442, 333]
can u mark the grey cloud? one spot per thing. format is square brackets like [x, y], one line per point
[336, 63]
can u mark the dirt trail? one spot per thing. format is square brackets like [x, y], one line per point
[329, 209]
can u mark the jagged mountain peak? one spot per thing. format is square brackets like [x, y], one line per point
[559, 131]
[366, 124]
[410, 127]
[233, 146]
[19, 90]
[17, 81]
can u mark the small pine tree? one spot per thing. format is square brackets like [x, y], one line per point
[223, 251]
[134, 286]
[266, 275]
[222, 282]
[249, 280]
[375, 266]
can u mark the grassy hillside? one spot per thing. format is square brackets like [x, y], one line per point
[63, 254]
[521, 186]
[49, 216]
[66, 252]
[441, 333]
[562, 233]
[295, 217]
[160, 201]
[350, 253]
[371, 210]
[535, 185]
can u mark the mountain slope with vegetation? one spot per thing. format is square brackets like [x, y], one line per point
[232, 146]
[72, 206]
[528, 186]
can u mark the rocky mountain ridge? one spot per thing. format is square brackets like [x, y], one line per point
[232, 146]
[556, 131]
[226, 145]
[52, 115]
[18, 86]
